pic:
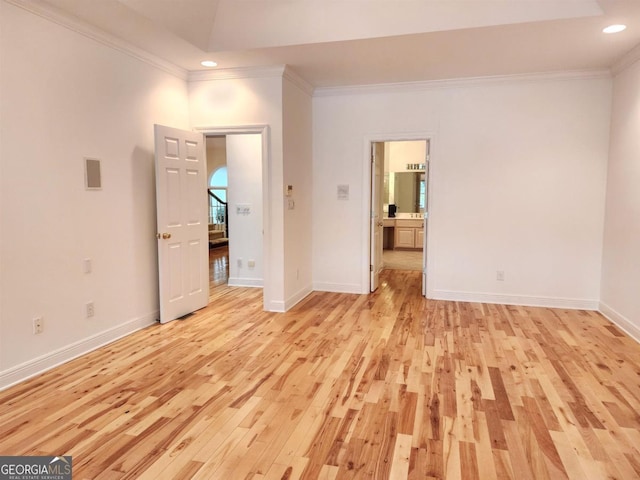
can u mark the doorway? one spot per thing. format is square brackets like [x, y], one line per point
[236, 159]
[399, 203]
[218, 206]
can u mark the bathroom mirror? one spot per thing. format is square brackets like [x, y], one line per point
[406, 190]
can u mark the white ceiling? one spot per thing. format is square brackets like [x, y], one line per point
[357, 42]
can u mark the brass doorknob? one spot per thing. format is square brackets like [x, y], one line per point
[164, 236]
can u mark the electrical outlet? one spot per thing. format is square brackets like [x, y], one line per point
[251, 263]
[87, 265]
[239, 263]
[38, 325]
[500, 275]
[90, 309]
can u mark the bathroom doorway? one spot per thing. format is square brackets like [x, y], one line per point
[399, 202]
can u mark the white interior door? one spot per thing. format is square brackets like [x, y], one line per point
[377, 229]
[426, 221]
[183, 245]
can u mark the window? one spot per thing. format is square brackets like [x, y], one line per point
[219, 183]
[218, 186]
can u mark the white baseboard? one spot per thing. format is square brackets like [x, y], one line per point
[337, 287]
[621, 321]
[245, 282]
[275, 306]
[297, 297]
[524, 300]
[46, 362]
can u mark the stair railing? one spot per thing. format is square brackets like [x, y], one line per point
[218, 212]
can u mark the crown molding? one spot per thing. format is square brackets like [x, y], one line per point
[298, 81]
[78, 26]
[405, 87]
[627, 60]
[236, 73]
[279, 71]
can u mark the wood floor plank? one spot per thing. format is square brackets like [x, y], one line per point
[487, 470]
[400, 459]
[380, 386]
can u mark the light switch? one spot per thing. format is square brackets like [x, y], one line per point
[243, 209]
[343, 192]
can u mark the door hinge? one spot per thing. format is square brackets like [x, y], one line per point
[371, 268]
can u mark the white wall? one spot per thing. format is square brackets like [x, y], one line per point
[244, 167]
[220, 103]
[64, 97]
[297, 131]
[270, 98]
[621, 258]
[2, 108]
[216, 154]
[518, 182]
[402, 153]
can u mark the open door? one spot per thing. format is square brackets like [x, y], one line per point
[377, 186]
[424, 192]
[181, 198]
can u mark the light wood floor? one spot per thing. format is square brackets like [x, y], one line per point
[218, 266]
[378, 386]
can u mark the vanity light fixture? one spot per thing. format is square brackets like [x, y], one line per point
[614, 29]
[208, 63]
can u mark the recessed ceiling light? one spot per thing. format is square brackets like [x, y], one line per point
[614, 28]
[208, 63]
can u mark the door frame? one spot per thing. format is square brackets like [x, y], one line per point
[263, 130]
[428, 254]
